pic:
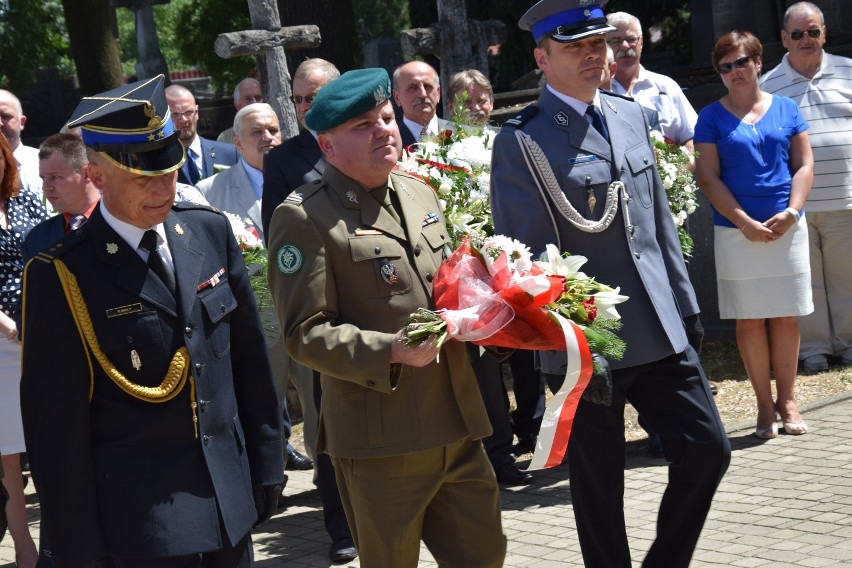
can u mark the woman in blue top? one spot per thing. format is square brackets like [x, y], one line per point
[756, 167]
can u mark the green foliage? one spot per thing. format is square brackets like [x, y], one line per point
[167, 17]
[381, 18]
[665, 25]
[32, 35]
[197, 25]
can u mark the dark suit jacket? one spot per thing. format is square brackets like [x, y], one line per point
[119, 475]
[294, 163]
[212, 153]
[43, 236]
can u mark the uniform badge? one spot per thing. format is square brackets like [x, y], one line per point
[289, 259]
[389, 272]
[352, 196]
[178, 229]
[610, 105]
[561, 118]
[135, 360]
[111, 248]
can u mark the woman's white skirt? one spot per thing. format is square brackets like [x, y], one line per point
[763, 280]
[11, 429]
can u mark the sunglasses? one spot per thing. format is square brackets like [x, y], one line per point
[297, 99]
[741, 63]
[813, 33]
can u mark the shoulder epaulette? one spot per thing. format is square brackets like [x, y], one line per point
[522, 117]
[303, 192]
[64, 244]
[192, 205]
[624, 96]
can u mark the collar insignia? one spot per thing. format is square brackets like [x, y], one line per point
[561, 118]
[610, 105]
[178, 229]
[111, 248]
[352, 196]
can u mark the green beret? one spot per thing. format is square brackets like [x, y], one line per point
[350, 95]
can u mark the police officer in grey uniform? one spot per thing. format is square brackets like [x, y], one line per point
[577, 170]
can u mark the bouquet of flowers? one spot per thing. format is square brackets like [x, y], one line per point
[672, 162]
[493, 293]
[457, 164]
[255, 256]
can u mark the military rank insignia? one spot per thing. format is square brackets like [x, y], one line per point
[352, 196]
[430, 219]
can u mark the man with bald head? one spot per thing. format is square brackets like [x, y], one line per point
[246, 92]
[204, 157]
[417, 91]
[12, 121]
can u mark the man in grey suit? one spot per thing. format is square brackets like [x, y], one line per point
[238, 189]
[576, 169]
[417, 91]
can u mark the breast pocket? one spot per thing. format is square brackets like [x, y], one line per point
[577, 181]
[218, 303]
[379, 266]
[129, 339]
[642, 166]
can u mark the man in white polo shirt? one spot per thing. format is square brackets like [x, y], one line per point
[652, 90]
[819, 83]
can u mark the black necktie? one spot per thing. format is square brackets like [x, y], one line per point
[597, 121]
[156, 262]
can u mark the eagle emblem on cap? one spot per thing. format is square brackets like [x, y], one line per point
[379, 94]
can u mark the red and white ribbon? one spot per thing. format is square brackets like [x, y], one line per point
[558, 416]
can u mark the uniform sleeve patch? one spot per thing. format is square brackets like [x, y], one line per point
[289, 259]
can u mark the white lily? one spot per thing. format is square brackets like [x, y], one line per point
[553, 262]
[606, 300]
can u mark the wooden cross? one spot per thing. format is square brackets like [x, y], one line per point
[460, 43]
[267, 42]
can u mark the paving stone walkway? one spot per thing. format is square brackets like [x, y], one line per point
[785, 502]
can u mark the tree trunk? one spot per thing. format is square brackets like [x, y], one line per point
[93, 46]
[336, 21]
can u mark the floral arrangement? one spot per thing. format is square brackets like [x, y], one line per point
[254, 255]
[491, 292]
[673, 163]
[457, 164]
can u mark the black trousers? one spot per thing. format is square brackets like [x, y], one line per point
[674, 397]
[239, 556]
[334, 516]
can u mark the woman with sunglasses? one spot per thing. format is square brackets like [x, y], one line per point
[756, 167]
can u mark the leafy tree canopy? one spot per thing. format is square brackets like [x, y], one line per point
[32, 35]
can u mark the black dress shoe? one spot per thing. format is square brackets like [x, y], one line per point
[341, 551]
[508, 474]
[297, 461]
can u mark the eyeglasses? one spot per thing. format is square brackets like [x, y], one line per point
[617, 41]
[184, 115]
[813, 33]
[297, 99]
[741, 63]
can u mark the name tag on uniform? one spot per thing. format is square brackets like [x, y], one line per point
[367, 232]
[124, 310]
[582, 159]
